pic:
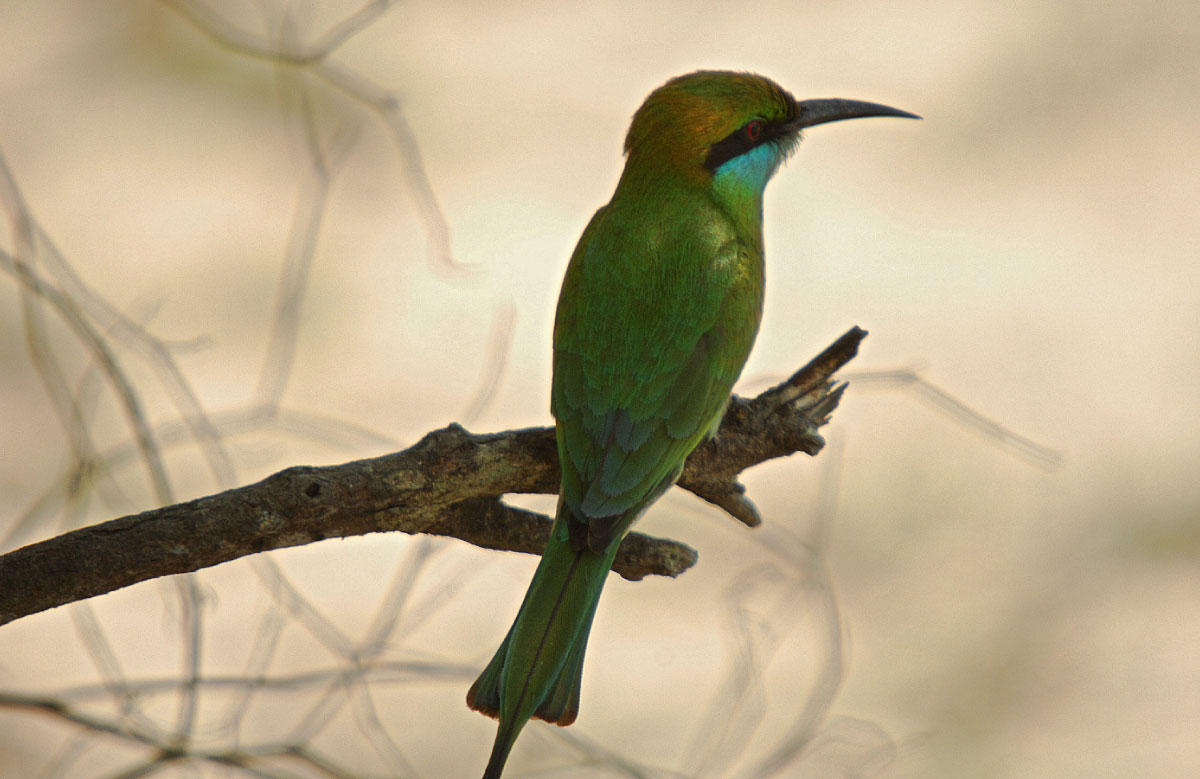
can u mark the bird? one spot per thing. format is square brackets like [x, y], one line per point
[659, 307]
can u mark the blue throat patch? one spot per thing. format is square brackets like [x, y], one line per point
[751, 171]
[740, 181]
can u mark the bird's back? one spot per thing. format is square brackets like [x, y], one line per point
[658, 311]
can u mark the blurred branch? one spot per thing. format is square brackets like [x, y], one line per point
[957, 410]
[449, 483]
[317, 59]
[255, 760]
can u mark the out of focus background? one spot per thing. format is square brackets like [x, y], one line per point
[281, 233]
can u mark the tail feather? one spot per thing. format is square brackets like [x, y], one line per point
[561, 705]
[505, 738]
[536, 671]
[484, 695]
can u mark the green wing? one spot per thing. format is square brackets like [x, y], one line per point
[654, 324]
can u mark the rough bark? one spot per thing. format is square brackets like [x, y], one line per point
[449, 483]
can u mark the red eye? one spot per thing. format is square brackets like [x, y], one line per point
[754, 130]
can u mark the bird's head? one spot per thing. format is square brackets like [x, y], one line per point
[731, 129]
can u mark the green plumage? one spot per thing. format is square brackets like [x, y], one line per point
[658, 311]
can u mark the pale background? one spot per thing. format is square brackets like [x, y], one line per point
[1031, 247]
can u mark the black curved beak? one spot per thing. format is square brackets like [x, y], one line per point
[834, 109]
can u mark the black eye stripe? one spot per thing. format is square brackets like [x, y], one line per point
[738, 143]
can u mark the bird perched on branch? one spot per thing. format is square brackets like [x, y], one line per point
[659, 308]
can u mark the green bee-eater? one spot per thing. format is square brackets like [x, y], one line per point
[658, 311]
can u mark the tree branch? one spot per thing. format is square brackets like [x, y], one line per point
[449, 483]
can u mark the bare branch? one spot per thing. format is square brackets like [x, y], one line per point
[779, 422]
[449, 483]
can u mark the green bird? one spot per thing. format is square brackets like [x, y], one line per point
[660, 305]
